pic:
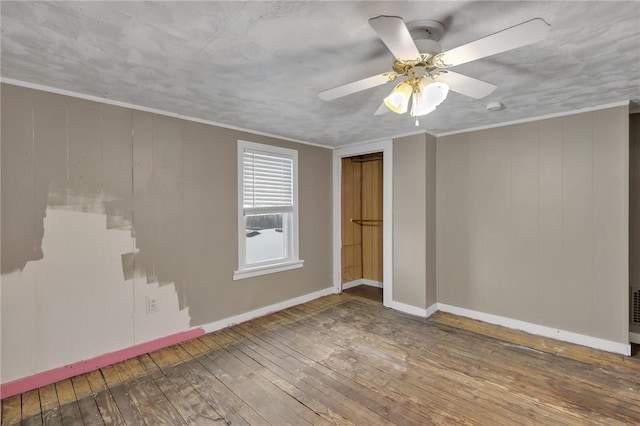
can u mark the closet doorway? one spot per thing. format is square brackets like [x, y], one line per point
[362, 219]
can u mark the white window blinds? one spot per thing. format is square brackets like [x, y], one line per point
[267, 182]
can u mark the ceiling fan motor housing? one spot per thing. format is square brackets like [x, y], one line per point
[425, 34]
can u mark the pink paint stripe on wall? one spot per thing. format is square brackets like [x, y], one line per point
[47, 377]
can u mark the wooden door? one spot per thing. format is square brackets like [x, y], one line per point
[351, 232]
[372, 220]
[362, 179]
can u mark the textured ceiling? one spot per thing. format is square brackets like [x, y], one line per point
[260, 65]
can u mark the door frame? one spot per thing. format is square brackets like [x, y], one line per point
[386, 147]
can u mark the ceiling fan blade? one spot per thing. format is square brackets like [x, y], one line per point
[517, 36]
[382, 109]
[395, 35]
[356, 86]
[467, 86]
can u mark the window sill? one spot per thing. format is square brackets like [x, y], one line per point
[268, 269]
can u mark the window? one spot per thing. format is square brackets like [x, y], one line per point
[267, 210]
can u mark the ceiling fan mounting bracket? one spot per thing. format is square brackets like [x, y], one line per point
[425, 35]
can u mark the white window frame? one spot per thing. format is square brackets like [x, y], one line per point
[292, 260]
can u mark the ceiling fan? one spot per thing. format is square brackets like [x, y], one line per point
[428, 78]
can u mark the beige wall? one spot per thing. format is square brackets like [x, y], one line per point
[414, 184]
[532, 222]
[430, 220]
[634, 205]
[104, 206]
[634, 200]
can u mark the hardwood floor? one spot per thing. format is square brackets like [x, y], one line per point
[365, 291]
[344, 359]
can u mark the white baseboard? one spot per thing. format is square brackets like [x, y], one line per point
[431, 310]
[372, 283]
[237, 319]
[351, 284]
[362, 281]
[413, 310]
[540, 330]
[408, 309]
[634, 337]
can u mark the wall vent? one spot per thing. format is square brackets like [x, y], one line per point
[635, 305]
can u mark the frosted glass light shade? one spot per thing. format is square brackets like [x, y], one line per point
[420, 107]
[430, 96]
[434, 93]
[398, 100]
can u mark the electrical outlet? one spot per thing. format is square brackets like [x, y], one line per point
[152, 304]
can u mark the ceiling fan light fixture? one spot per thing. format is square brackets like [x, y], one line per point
[426, 67]
[420, 107]
[398, 99]
[428, 96]
[434, 93]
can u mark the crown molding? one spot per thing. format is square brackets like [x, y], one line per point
[536, 118]
[114, 102]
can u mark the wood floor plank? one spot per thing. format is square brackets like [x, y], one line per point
[66, 394]
[144, 394]
[91, 415]
[71, 414]
[110, 376]
[248, 386]
[352, 391]
[229, 405]
[153, 406]
[238, 362]
[357, 387]
[31, 404]
[108, 409]
[290, 362]
[136, 368]
[69, 409]
[12, 410]
[96, 381]
[290, 376]
[345, 360]
[188, 402]
[48, 397]
[52, 417]
[50, 406]
[181, 353]
[556, 347]
[33, 421]
[149, 364]
[446, 385]
[500, 362]
[81, 386]
[165, 357]
[586, 415]
[383, 360]
[124, 373]
[193, 348]
[306, 398]
[127, 409]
